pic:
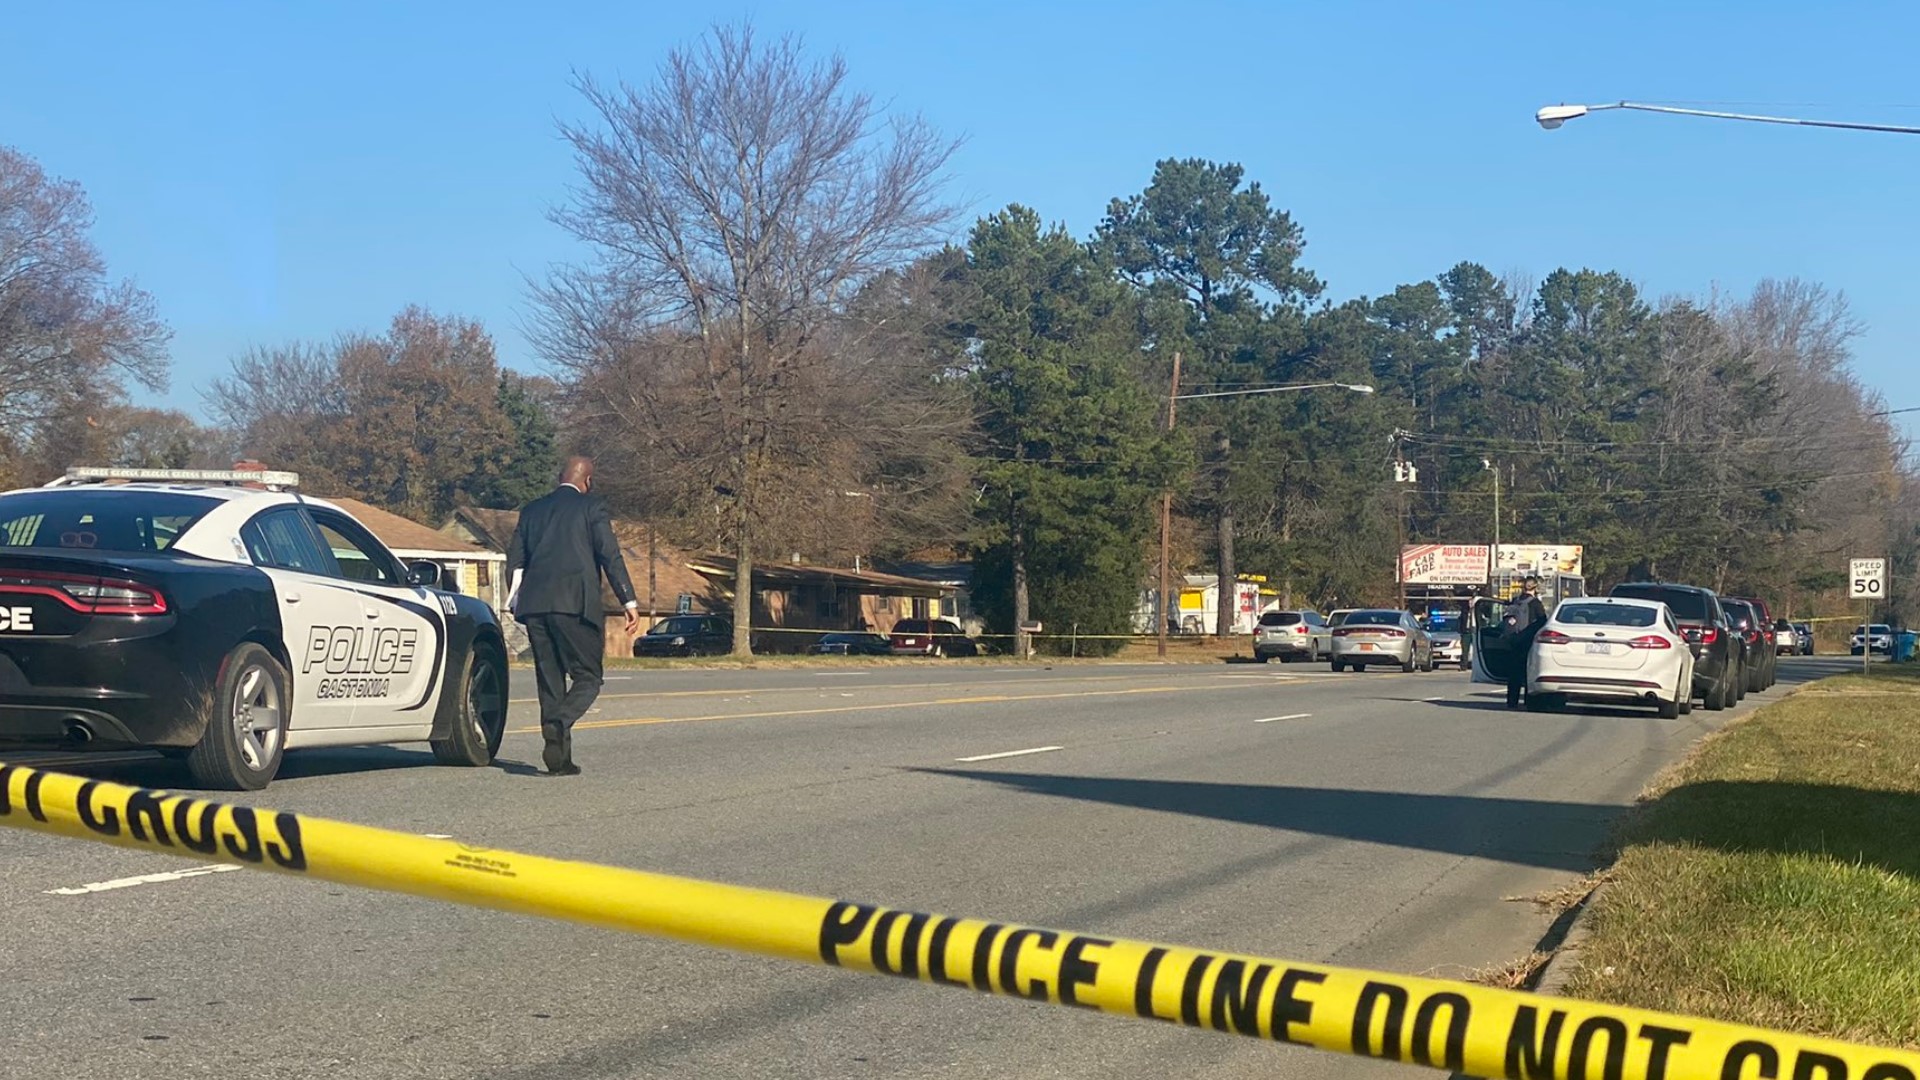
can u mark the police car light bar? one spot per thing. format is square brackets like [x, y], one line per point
[265, 478]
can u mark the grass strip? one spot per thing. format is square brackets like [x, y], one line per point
[1773, 877]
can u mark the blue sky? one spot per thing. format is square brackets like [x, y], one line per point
[273, 173]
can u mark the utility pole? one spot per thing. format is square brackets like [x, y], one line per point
[1166, 520]
[1488, 464]
[1403, 474]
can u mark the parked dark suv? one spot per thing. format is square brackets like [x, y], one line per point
[1760, 644]
[1718, 675]
[686, 635]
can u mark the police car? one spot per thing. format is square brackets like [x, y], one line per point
[222, 618]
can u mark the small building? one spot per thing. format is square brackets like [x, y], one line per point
[953, 575]
[794, 602]
[1199, 605]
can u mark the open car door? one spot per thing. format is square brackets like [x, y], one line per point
[1493, 649]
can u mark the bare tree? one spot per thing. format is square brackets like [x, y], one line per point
[71, 341]
[735, 207]
[409, 420]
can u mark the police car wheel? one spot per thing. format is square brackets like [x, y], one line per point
[481, 719]
[246, 723]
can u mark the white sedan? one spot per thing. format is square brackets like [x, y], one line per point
[1613, 650]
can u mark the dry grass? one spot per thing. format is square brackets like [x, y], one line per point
[1559, 900]
[1515, 974]
[1774, 877]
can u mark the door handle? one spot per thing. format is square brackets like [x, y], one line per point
[372, 613]
[291, 598]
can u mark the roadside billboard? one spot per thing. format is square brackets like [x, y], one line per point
[1444, 564]
[1539, 558]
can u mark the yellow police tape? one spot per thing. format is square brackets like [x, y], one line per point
[1468, 1029]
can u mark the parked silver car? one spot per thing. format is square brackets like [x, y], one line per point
[1292, 635]
[1382, 636]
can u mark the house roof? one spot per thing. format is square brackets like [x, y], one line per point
[406, 535]
[493, 528]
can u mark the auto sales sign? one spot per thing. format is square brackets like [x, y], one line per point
[1444, 564]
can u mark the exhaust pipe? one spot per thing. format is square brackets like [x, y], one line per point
[78, 732]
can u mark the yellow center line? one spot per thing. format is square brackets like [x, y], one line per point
[972, 699]
[838, 687]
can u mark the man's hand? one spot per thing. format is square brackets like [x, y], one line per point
[633, 621]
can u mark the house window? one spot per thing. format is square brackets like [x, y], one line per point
[486, 575]
[832, 605]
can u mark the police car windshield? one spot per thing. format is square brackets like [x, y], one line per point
[92, 520]
[1373, 618]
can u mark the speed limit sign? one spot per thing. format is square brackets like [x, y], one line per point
[1867, 579]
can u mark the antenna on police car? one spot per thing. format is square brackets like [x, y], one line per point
[270, 479]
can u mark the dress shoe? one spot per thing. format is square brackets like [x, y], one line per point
[568, 769]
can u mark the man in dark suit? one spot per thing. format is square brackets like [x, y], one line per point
[564, 542]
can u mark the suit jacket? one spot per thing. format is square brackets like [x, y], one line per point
[564, 542]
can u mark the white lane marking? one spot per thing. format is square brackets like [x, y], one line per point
[1289, 716]
[1010, 753]
[143, 879]
[438, 836]
[839, 674]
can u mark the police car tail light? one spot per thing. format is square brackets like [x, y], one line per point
[1552, 637]
[89, 595]
[112, 597]
[1650, 641]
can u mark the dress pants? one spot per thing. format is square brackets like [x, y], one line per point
[567, 655]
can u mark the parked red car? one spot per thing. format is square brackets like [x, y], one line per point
[931, 637]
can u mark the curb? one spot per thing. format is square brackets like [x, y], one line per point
[1562, 943]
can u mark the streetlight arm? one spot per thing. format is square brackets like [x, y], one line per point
[1356, 388]
[1554, 115]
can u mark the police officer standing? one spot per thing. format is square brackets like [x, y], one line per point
[1525, 615]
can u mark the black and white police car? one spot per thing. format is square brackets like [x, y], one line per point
[220, 617]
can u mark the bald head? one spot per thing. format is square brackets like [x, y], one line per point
[578, 471]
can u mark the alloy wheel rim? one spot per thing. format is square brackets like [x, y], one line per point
[259, 720]
[484, 700]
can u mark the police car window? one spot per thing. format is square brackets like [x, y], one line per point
[99, 520]
[281, 539]
[356, 554]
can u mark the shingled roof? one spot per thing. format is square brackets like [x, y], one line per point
[493, 528]
[404, 535]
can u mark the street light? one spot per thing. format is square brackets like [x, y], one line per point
[1553, 116]
[1166, 498]
[1357, 388]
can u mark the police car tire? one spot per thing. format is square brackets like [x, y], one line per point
[475, 739]
[215, 761]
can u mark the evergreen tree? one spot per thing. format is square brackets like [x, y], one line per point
[1069, 456]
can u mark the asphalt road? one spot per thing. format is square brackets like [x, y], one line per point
[1372, 819]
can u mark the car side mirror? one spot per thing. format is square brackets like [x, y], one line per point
[424, 574]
